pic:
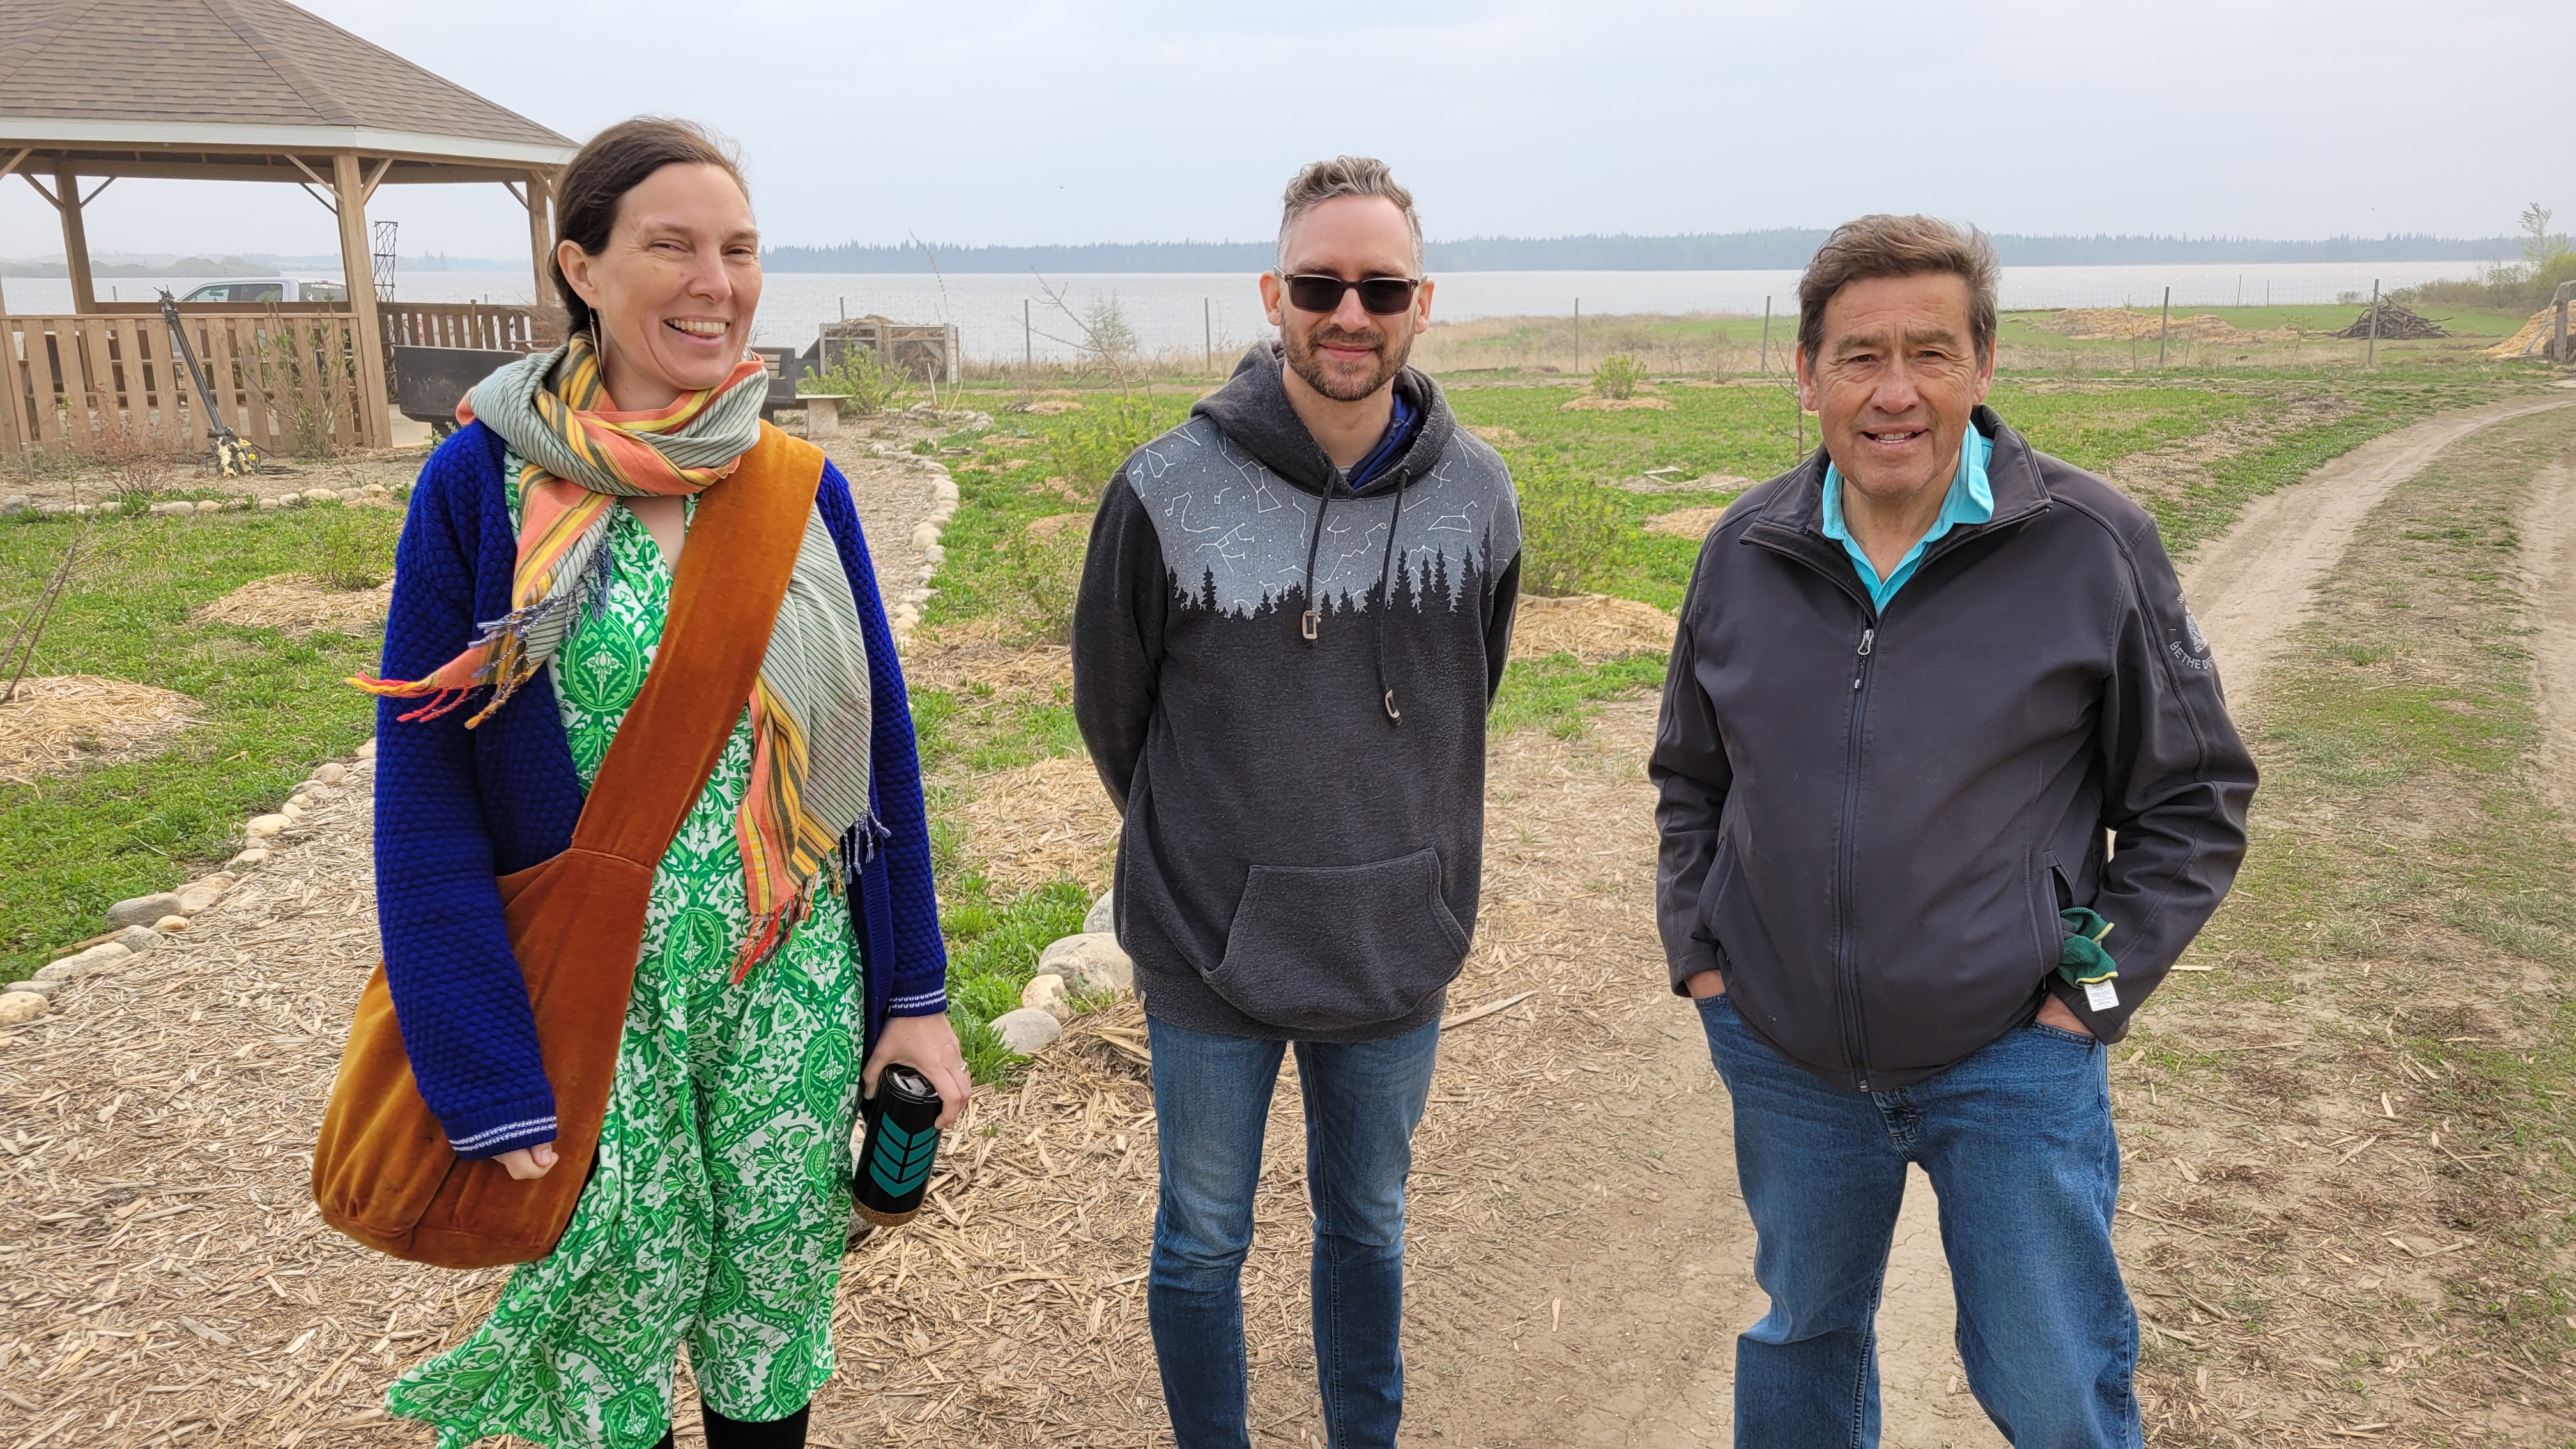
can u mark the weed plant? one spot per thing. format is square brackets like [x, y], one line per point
[1088, 446]
[1618, 376]
[872, 384]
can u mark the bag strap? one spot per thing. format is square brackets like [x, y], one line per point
[725, 595]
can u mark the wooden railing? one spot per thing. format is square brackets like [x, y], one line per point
[487, 326]
[287, 382]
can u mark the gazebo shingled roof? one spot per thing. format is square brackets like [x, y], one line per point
[249, 90]
[235, 75]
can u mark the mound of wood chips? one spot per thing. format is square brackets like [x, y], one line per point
[56, 724]
[1592, 627]
[1046, 821]
[297, 604]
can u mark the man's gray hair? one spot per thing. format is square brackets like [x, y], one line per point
[1321, 181]
[1881, 245]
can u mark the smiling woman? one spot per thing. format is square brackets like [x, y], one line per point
[642, 1047]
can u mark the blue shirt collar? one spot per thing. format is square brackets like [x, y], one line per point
[1971, 500]
[1399, 432]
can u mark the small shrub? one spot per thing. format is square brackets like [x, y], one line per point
[1618, 375]
[1086, 447]
[872, 384]
[1571, 530]
[347, 555]
[308, 377]
[1046, 574]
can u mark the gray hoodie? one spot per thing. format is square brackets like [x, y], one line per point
[1284, 687]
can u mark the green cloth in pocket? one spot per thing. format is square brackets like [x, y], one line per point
[2081, 959]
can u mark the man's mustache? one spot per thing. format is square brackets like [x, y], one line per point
[1329, 335]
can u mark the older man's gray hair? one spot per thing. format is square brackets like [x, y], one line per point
[1321, 181]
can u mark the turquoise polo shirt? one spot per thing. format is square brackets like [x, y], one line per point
[1971, 500]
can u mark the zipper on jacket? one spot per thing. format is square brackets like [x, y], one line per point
[1846, 969]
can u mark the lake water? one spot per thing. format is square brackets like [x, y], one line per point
[1002, 316]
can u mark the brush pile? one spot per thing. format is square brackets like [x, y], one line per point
[2397, 323]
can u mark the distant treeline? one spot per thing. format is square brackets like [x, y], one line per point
[1778, 249]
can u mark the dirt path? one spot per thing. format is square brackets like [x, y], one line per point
[2548, 528]
[2250, 585]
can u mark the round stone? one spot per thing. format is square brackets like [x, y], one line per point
[37, 984]
[270, 505]
[104, 956]
[143, 910]
[1046, 993]
[257, 855]
[367, 751]
[1026, 1030]
[210, 505]
[331, 774]
[167, 924]
[1091, 959]
[261, 827]
[1103, 915]
[20, 1007]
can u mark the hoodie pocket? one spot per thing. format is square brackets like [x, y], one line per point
[1322, 948]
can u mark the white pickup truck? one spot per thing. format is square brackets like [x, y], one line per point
[269, 289]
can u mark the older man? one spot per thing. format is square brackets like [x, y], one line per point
[1918, 677]
[1293, 617]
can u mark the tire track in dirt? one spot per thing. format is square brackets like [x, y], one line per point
[2548, 529]
[2250, 586]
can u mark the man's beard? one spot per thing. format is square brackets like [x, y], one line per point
[1303, 359]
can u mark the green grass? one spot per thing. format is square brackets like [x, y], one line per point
[272, 707]
[993, 949]
[2405, 868]
[1561, 694]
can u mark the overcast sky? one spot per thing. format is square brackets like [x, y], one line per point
[1025, 122]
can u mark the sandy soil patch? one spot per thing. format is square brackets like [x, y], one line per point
[1499, 436]
[1593, 627]
[1041, 822]
[953, 662]
[1691, 523]
[56, 724]
[2178, 467]
[102, 483]
[1673, 482]
[2119, 324]
[1615, 405]
[297, 604]
[1055, 525]
[1048, 407]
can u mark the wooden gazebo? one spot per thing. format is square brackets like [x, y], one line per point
[92, 91]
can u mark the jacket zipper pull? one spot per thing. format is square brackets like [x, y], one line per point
[1867, 637]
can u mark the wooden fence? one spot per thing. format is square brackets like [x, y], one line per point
[287, 382]
[485, 326]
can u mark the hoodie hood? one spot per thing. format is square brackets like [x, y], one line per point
[1254, 413]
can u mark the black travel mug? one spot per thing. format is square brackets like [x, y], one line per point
[902, 1139]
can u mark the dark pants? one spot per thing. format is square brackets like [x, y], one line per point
[1211, 1102]
[724, 1433]
[2018, 1143]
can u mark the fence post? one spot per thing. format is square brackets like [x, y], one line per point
[1578, 336]
[1207, 323]
[2370, 356]
[1028, 345]
[1766, 335]
[2164, 329]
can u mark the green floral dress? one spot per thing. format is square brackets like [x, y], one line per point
[719, 1211]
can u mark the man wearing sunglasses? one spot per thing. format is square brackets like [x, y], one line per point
[1293, 617]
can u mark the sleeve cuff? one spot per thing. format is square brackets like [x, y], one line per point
[505, 1128]
[924, 1003]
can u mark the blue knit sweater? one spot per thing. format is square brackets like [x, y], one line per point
[457, 807]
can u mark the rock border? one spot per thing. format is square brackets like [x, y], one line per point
[370, 495]
[139, 924]
[903, 612]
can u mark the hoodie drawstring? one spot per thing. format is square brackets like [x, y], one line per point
[1311, 625]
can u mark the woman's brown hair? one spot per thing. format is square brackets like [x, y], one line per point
[615, 162]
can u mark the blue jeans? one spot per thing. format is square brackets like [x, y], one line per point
[1211, 1101]
[2018, 1143]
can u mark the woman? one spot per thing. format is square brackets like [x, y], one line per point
[792, 932]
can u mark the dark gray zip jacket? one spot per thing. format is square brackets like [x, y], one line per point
[1284, 687]
[1870, 823]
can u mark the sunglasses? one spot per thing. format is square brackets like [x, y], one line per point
[1379, 296]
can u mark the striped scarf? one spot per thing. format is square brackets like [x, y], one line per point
[810, 710]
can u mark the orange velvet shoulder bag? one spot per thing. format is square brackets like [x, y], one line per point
[382, 1170]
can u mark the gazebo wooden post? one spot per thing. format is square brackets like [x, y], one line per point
[541, 229]
[375, 422]
[67, 200]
